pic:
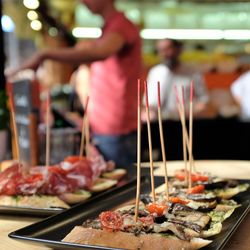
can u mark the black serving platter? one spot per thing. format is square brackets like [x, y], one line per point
[52, 230]
[28, 211]
[45, 212]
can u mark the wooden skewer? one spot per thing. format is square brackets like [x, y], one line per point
[191, 134]
[181, 112]
[87, 135]
[47, 130]
[15, 133]
[83, 129]
[33, 139]
[150, 144]
[184, 139]
[82, 139]
[187, 143]
[186, 134]
[162, 142]
[138, 186]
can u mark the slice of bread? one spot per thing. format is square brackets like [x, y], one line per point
[116, 174]
[102, 184]
[81, 235]
[78, 196]
[32, 201]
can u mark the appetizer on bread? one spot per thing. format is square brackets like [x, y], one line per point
[221, 188]
[162, 226]
[72, 181]
[185, 221]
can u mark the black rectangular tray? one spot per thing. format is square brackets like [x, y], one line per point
[45, 212]
[52, 230]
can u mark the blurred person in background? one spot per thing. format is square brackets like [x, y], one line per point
[240, 90]
[172, 72]
[115, 66]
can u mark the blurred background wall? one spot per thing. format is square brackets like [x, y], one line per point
[215, 33]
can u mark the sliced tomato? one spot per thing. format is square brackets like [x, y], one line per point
[196, 189]
[197, 177]
[74, 158]
[147, 220]
[180, 175]
[156, 208]
[111, 220]
[177, 200]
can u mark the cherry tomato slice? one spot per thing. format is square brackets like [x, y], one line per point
[177, 200]
[180, 175]
[196, 189]
[197, 177]
[111, 220]
[156, 208]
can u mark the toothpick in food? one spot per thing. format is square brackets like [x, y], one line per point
[150, 143]
[162, 142]
[138, 186]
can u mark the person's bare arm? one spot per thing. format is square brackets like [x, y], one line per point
[102, 49]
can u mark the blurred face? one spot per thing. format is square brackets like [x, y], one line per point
[167, 50]
[95, 6]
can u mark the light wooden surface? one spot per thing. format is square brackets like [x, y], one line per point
[9, 224]
[229, 169]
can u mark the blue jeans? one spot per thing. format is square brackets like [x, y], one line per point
[121, 149]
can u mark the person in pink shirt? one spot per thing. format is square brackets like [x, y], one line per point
[115, 66]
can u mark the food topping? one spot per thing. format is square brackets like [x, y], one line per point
[147, 221]
[73, 159]
[178, 200]
[196, 189]
[157, 209]
[111, 220]
[67, 177]
[196, 177]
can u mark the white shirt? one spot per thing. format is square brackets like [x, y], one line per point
[182, 76]
[241, 91]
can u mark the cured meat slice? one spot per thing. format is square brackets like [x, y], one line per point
[53, 180]
[68, 176]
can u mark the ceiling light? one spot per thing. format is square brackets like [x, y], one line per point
[86, 32]
[182, 34]
[36, 25]
[7, 24]
[237, 34]
[31, 4]
[32, 15]
[185, 34]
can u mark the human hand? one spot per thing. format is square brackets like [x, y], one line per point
[32, 63]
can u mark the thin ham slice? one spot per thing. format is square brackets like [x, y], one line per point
[54, 180]
[12, 182]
